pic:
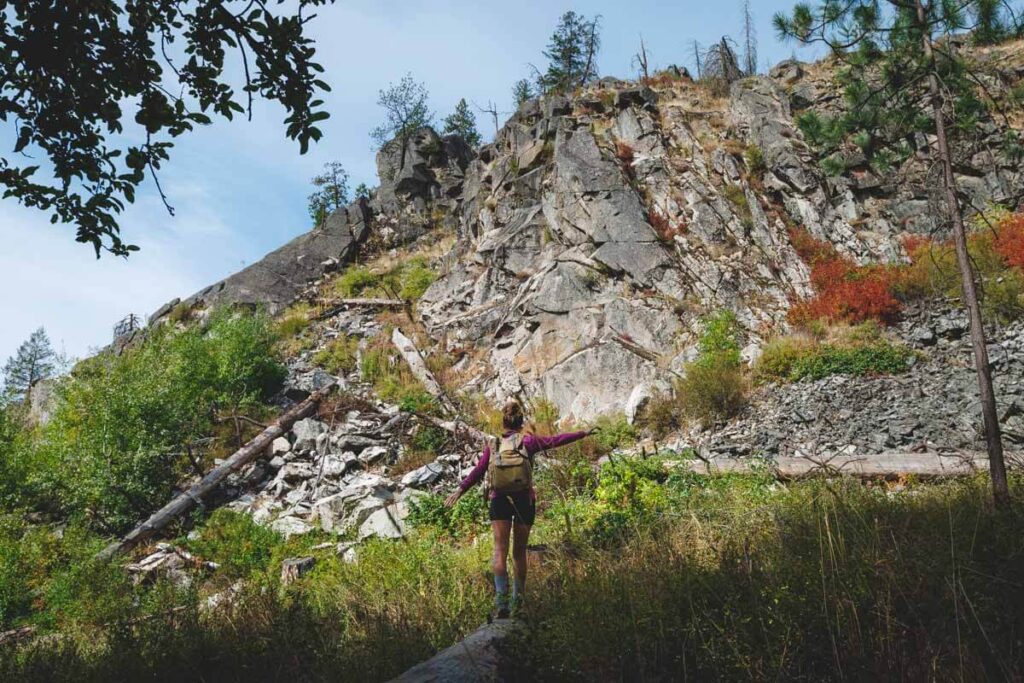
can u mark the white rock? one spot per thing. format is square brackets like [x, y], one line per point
[383, 523]
[280, 446]
[641, 394]
[373, 454]
[425, 476]
[290, 526]
[751, 352]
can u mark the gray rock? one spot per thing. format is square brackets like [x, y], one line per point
[306, 432]
[425, 476]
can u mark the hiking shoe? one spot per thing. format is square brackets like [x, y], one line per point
[516, 605]
[502, 612]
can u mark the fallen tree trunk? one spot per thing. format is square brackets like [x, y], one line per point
[184, 502]
[371, 302]
[457, 427]
[420, 371]
[486, 654]
[876, 466]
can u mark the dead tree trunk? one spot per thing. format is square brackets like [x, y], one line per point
[184, 502]
[419, 369]
[993, 435]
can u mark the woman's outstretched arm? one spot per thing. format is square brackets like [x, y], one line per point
[536, 443]
[474, 476]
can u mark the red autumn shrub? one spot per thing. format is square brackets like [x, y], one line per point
[1009, 240]
[843, 291]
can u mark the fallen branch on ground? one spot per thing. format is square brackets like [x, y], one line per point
[414, 359]
[184, 502]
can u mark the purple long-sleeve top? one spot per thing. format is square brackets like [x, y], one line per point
[532, 442]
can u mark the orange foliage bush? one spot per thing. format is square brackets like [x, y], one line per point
[1009, 240]
[843, 291]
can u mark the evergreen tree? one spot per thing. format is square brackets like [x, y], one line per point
[462, 122]
[33, 361]
[331, 192]
[406, 110]
[362, 191]
[907, 91]
[572, 53]
[521, 92]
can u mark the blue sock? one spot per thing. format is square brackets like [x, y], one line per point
[518, 588]
[501, 590]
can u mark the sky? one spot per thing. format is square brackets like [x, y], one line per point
[239, 189]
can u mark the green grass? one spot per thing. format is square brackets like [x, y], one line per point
[860, 350]
[339, 356]
[649, 570]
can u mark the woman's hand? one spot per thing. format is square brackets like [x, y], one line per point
[454, 498]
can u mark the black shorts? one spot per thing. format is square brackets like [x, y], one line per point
[514, 507]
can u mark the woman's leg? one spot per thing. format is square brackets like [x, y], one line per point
[520, 540]
[502, 529]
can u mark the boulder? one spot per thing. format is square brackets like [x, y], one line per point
[426, 475]
[306, 432]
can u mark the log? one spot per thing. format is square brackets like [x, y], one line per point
[179, 505]
[875, 466]
[487, 654]
[342, 304]
[457, 427]
[420, 371]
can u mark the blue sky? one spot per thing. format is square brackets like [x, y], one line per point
[239, 189]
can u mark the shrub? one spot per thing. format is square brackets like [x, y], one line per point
[712, 393]
[392, 380]
[754, 158]
[294, 320]
[415, 277]
[993, 246]
[123, 425]
[843, 291]
[339, 356]
[615, 432]
[354, 281]
[467, 517]
[859, 350]
[661, 416]
[236, 542]
[737, 196]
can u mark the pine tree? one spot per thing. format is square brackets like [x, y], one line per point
[521, 92]
[462, 122]
[904, 86]
[572, 53]
[406, 110]
[362, 191]
[331, 192]
[33, 361]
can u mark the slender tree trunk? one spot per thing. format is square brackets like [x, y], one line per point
[993, 436]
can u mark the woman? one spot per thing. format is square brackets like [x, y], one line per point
[512, 513]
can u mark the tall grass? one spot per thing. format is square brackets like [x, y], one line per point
[659, 574]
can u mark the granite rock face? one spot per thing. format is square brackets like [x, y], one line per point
[593, 233]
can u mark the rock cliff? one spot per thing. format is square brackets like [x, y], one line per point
[594, 232]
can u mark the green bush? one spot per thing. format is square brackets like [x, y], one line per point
[339, 356]
[355, 280]
[416, 276]
[49, 578]
[238, 544]
[122, 425]
[714, 388]
[466, 517]
[861, 350]
[614, 432]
